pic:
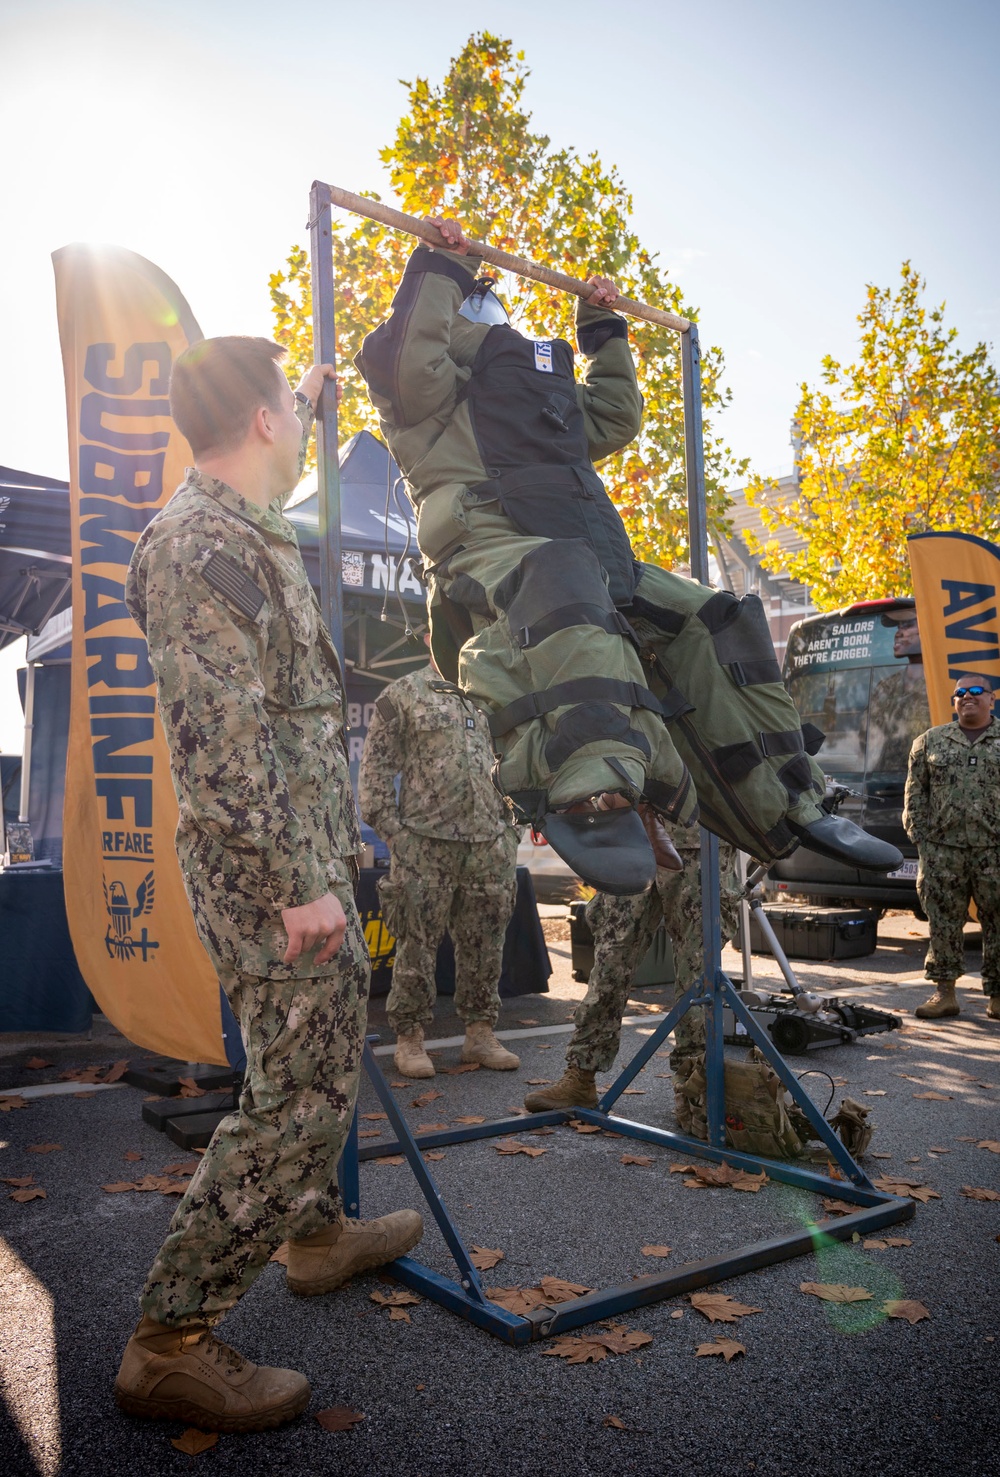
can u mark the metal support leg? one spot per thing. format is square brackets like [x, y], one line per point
[327, 460]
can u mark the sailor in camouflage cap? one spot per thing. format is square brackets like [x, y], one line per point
[251, 698]
[454, 854]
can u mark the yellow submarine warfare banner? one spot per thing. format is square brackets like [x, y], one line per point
[121, 324]
[955, 582]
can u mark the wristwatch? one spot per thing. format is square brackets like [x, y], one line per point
[303, 399]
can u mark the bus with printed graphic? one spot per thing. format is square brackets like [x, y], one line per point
[858, 675]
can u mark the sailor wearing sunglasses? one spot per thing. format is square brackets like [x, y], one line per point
[952, 813]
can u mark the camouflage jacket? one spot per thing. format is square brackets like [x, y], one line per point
[953, 787]
[425, 731]
[418, 363]
[250, 691]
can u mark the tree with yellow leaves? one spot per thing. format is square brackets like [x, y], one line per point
[466, 149]
[905, 440]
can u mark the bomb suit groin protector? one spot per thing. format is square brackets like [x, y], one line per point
[601, 674]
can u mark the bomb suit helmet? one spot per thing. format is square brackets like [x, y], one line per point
[482, 305]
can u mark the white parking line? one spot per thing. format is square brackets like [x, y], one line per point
[59, 1089]
[446, 1041]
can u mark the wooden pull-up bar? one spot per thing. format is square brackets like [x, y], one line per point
[374, 210]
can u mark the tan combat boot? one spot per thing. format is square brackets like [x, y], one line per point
[993, 1007]
[187, 1374]
[410, 1057]
[942, 1003]
[575, 1089]
[483, 1047]
[326, 1260]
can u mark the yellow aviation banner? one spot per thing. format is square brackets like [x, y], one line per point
[955, 581]
[121, 324]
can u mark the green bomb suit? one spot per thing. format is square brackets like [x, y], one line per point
[538, 607]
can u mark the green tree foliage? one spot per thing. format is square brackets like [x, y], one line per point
[905, 440]
[467, 149]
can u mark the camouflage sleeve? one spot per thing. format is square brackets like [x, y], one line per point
[207, 656]
[381, 761]
[609, 393]
[307, 419]
[406, 360]
[916, 798]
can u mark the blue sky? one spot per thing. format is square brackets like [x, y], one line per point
[780, 156]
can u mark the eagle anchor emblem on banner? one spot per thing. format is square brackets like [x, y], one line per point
[119, 940]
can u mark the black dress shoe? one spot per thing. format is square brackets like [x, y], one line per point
[607, 849]
[836, 837]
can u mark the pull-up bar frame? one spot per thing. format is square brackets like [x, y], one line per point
[714, 992]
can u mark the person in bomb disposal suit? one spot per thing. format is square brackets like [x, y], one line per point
[454, 855]
[540, 611]
[952, 813]
[250, 696]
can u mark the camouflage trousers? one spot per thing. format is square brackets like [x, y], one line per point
[464, 887]
[947, 878]
[270, 1171]
[623, 929]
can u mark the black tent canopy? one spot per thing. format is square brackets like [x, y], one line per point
[35, 558]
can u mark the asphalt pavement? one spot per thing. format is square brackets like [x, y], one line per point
[822, 1388]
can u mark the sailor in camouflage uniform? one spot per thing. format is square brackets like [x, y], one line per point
[952, 812]
[454, 854]
[251, 698]
[623, 929]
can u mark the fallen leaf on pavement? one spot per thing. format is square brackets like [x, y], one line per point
[558, 1290]
[375, 1117]
[881, 1156]
[19, 1181]
[43, 1148]
[992, 1144]
[614, 1422]
[36, 1063]
[11, 1100]
[398, 1299]
[577, 1350]
[470, 1118]
[719, 1307]
[934, 1097]
[192, 1441]
[400, 1084]
[633, 1092]
[972, 1192]
[339, 1418]
[430, 1096]
[118, 1070]
[539, 1081]
[874, 1092]
[835, 1292]
[483, 1257]
[873, 1245]
[656, 1251]
[511, 1146]
[119, 1187]
[35, 1193]
[391, 1159]
[908, 1078]
[580, 1127]
[897, 1185]
[746, 1181]
[183, 1166]
[132, 1156]
[369, 1133]
[677, 1313]
[516, 1299]
[399, 1315]
[434, 1155]
[728, 1348]
[905, 1308]
[838, 1207]
[898, 1241]
[643, 1160]
[617, 1339]
[683, 1169]
[936, 1149]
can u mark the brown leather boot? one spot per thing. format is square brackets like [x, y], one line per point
[993, 1007]
[328, 1259]
[482, 1046]
[187, 1374]
[575, 1089]
[410, 1057]
[942, 1003]
[665, 853]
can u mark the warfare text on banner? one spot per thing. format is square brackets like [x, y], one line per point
[955, 581]
[121, 325]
